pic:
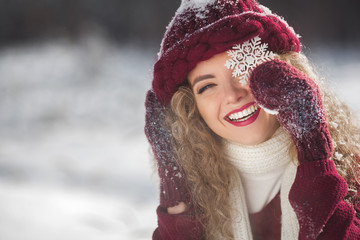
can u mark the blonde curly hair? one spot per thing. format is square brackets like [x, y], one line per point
[211, 178]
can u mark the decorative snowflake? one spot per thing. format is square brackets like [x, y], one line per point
[246, 56]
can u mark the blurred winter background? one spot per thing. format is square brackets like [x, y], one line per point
[74, 162]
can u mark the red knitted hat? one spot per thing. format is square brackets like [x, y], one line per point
[203, 28]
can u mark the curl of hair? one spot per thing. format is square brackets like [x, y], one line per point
[199, 153]
[211, 177]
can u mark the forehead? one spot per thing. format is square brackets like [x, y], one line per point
[209, 67]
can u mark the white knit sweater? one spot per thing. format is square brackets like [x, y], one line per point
[264, 170]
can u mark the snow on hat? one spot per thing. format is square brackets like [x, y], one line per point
[203, 28]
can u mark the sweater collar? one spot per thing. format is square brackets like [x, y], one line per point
[261, 158]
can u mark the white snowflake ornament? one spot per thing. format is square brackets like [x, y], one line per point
[246, 56]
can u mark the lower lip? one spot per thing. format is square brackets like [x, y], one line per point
[247, 121]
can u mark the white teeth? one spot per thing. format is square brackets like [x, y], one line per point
[245, 114]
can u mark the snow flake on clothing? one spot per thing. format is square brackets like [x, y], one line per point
[246, 56]
[338, 156]
[198, 5]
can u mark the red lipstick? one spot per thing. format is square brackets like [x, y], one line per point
[245, 122]
[240, 109]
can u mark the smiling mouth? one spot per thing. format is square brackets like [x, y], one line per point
[243, 115]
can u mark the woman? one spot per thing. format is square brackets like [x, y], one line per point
[248, 142]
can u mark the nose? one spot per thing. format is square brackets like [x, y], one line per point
[235, 91]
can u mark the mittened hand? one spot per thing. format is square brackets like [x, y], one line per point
[173, 189]
[280, 87]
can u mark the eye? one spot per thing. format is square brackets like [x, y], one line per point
[201, 90]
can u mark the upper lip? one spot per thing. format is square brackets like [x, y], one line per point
[240, 109]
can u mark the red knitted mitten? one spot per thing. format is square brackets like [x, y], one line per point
[173, 188]
[280, 87]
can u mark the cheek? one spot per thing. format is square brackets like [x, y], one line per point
[272, 119]
[205, 112]
[208, 112]
[269, 123]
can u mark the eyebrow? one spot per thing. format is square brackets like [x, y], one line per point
[202, 77]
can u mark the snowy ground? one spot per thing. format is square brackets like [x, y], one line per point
[74, 162]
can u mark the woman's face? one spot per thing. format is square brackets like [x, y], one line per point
[227, 106]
